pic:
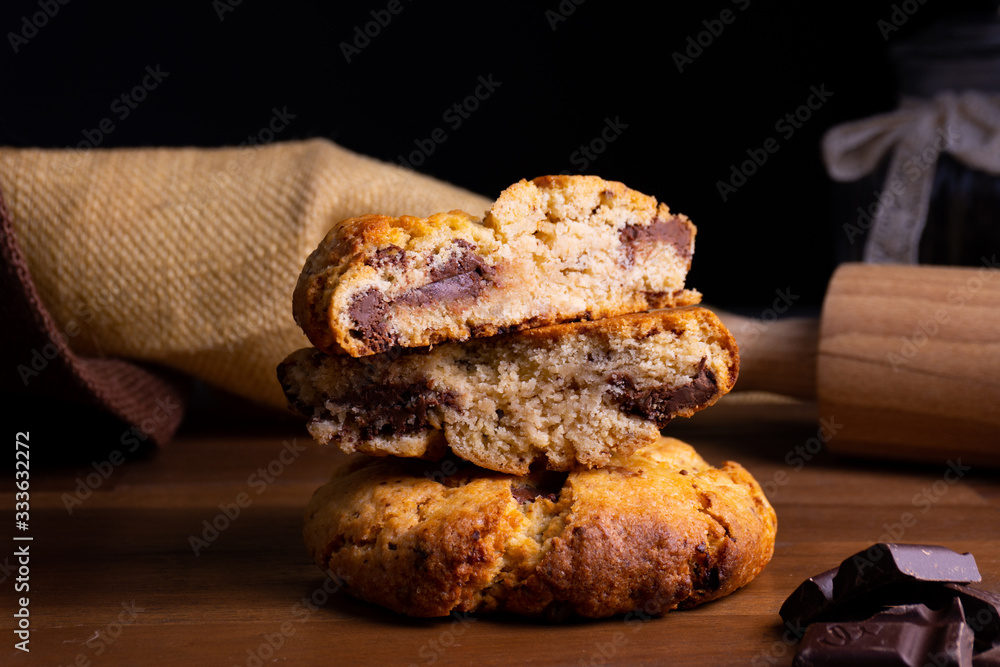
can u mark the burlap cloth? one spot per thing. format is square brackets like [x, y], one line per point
[126, 270]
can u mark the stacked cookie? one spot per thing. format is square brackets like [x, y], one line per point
[510, 376]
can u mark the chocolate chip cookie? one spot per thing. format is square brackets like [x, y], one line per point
[656, 531]
[555, 249]
[566, 395]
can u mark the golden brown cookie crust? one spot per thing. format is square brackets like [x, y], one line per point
[660, 529]
[555, 249]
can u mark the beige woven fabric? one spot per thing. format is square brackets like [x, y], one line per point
[188, 257]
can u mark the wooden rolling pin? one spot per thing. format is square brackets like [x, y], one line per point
[904, 360]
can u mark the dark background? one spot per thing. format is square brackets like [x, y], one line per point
[229, 65]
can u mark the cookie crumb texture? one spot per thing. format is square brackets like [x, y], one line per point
[658, 530]
[565, 396]
[555, 249]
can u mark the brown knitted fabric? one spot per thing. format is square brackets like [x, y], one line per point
[125, 260]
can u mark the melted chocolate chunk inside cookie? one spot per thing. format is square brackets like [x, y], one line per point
[545, 484]
[660, 404]
[465, 274]
[388, 256]
[705, 572]
[390, 410]
[369, 313]
[672, 231]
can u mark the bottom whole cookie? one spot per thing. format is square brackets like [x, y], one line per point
[658, 530]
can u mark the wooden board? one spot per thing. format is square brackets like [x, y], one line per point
[117, 581]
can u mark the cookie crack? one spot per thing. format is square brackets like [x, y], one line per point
[706, 509]
[703, 562]
[540, 483]
[516, 569]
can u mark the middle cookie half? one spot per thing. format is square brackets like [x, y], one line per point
[569, 395]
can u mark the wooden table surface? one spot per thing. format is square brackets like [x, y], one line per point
[117, 581]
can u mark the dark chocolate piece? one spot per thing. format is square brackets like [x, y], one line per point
[465, 274]
[661, 403]
[911, 636]
[935, 621]
[673, 230]
[918, 612]
[884, 574]
[369, 312]
[982, 608]
[529, 494]
[810, 601]
[989, 658]
[888, 563]
[982, 612]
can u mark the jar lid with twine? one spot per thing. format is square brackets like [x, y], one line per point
[949, 84]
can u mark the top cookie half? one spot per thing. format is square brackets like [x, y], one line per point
[555, 249]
